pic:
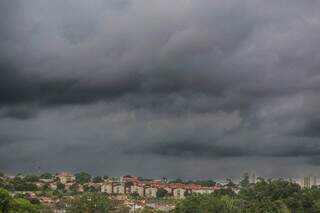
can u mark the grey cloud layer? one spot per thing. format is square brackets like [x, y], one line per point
[202, 80]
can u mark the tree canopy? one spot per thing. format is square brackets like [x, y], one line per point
[8, 204]
[162, 193]
[46, 176]
[89, 202]
[266, 196]
[83, 177]
[97, 179]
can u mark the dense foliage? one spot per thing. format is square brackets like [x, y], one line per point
[94, 203]
[162, 193]
[31, 178]
[83, 177]
[97, 179]
[46, 176]
[9, 204]
[19, 184]
[198, 182]
[89, 203]
[271, 196]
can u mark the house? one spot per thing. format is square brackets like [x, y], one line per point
[68, 185]
[179, 192]
[107, 188]
[168, 189]
[66, 177]
[113, 188]
[39, 184]
[80, 188]
[53, 186]
[138, 188]
[202, 190]
[150, 191]
[118, 188]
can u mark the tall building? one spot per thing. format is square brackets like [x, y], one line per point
[308, 181]
[253, 178]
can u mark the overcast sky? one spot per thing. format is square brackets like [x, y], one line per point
[184, 88]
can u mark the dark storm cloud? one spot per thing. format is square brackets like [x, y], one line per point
[18, 89]
[309, 128]
[206, 80]
[187, 149]
[18, 113]
[198, 58]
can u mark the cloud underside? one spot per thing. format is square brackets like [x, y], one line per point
[138, 81]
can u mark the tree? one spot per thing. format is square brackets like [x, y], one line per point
[86, 203]
[5, 200]
[23, 206]
[83, 177]
[31, 178]
[227, 191]
[178, 180]
[162, 193]
[145, 210]
[187, 193]
[8, 204]
[45, 187]
[245, 180]
[27, 196]
[135, 196]
[271, 196]
[232, 203]
[87, 188]
[60, 186]
[203, 204]
[46, 176]
[97, 179]
[20, 184]
[34, 200]
[231, 184]
[74, 187]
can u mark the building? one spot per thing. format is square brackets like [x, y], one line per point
[308, 181]
[119, 188]
[149, 188]
[202, 190]
[150, 192]
[253, 178]
[137, 188]
[107, 188]
[53, 186]
[66, 177]
[168, 189]
[39, 184]
[179, 192]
